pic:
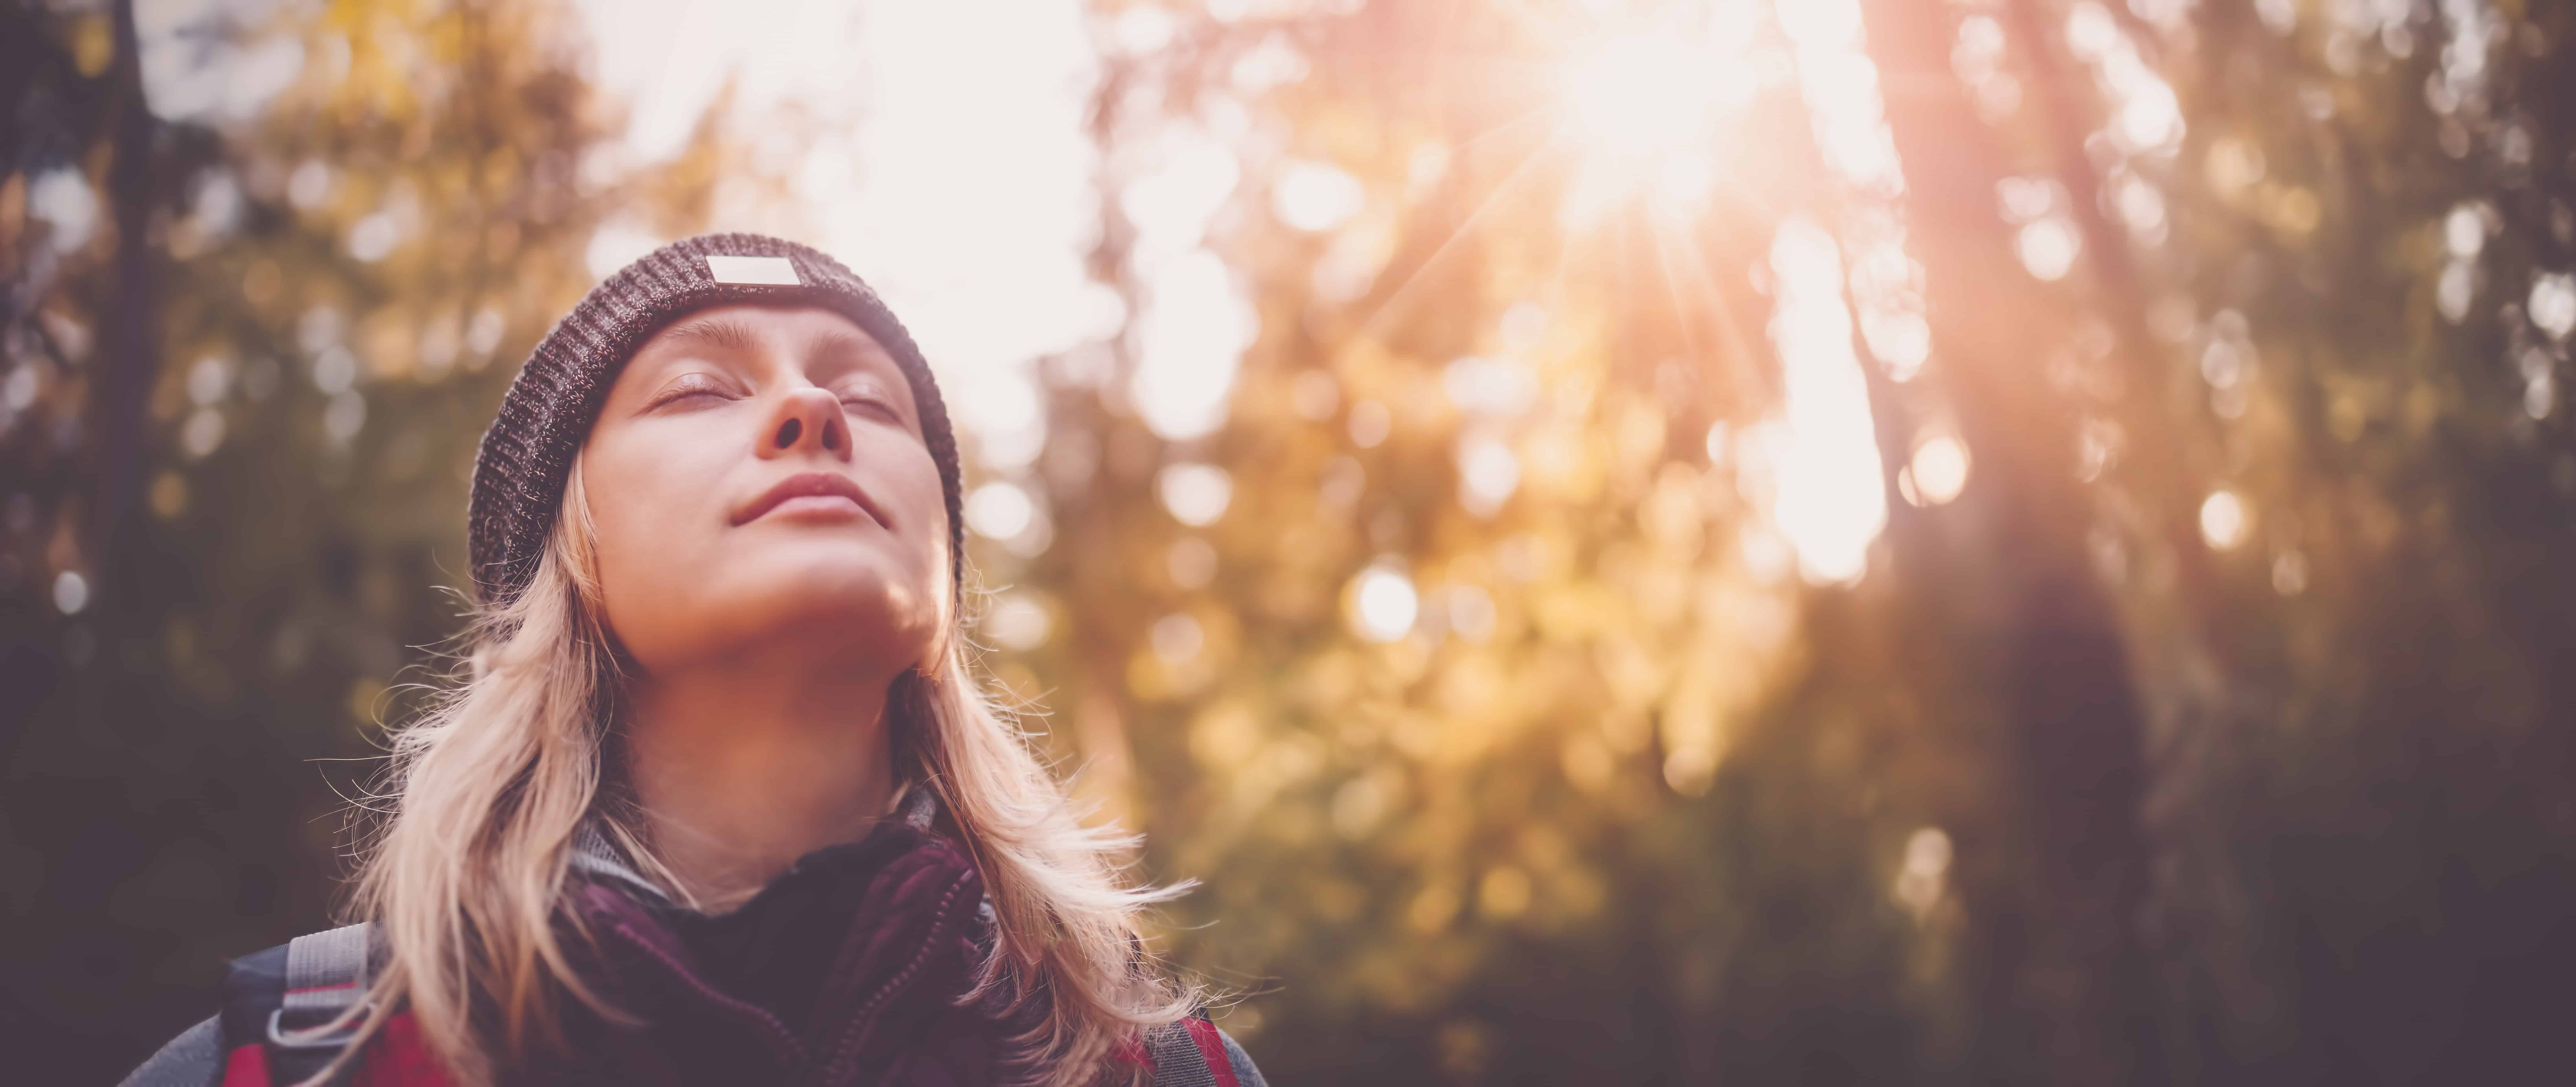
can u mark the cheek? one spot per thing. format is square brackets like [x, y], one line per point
[917, 476]
[622, 509]
[647, 539]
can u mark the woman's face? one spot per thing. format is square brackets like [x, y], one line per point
[759, 483]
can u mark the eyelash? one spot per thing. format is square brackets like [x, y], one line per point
[861, 399]
[681, 392]
[870, 398]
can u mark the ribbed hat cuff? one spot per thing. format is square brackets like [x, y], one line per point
[526, 456]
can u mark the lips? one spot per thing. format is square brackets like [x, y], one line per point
[808, 485]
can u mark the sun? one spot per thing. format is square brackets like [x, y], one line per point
[1664, 79]
[1648, 108]
[1644, 93]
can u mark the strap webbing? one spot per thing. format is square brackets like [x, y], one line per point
[326, 976]
[1194, 1053]
[1179, 1061]
[193, 1059]
[1212, 1050]
[326, 973]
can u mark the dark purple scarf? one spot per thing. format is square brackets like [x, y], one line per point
[849, 969]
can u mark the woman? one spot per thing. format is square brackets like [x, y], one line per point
[718, 799]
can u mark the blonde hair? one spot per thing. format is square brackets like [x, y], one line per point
[466, 873]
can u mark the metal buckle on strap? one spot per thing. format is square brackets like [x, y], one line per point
[279, 1036]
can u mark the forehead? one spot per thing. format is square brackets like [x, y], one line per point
[759, 329]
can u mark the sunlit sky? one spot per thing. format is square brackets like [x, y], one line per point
[951, 172]
[963, 188]
[939, 149]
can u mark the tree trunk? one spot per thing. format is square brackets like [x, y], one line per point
[2062, 946]
[130, 355]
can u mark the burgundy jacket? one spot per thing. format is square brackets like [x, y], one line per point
[851, 969]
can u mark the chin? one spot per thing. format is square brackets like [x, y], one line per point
[837, 601]
[842, 593]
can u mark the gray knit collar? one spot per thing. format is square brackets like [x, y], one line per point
[596, 855]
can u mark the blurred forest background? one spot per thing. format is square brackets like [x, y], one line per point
[1816, 541]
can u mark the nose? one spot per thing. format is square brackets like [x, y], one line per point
[806, 420]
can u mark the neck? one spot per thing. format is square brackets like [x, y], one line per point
[743, 767]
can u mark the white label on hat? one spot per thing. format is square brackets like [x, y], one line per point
[770, 270]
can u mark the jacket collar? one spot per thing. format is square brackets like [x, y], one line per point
[596, 855]
[913, 927]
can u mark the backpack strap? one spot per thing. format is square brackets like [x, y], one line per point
[283, 1001]
[326, 975]
[193, 1059]
[1194, 1053]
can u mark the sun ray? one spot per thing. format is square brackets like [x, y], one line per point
[1403, 292]
[1738, 347]
[1525, 117]
[1672, 291]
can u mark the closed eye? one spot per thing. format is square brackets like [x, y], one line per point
[869, 398]
[865, 401]
[688, 388]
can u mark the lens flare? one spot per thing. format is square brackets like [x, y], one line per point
[1647, 106]
[1649, 92]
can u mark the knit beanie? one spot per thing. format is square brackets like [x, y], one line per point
[527, 455]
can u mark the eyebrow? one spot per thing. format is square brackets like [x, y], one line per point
[724, 332]
[840, 341]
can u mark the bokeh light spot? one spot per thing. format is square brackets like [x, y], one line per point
[1488, 473]
[1383, 604]
[1195, 494]
[1177, 637]
[999, 511]
[71, 592]
[2048, 247]
[2224, 520]
[1940, 468]
[1316, 197]
[1018, 622]
[2553, 304]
